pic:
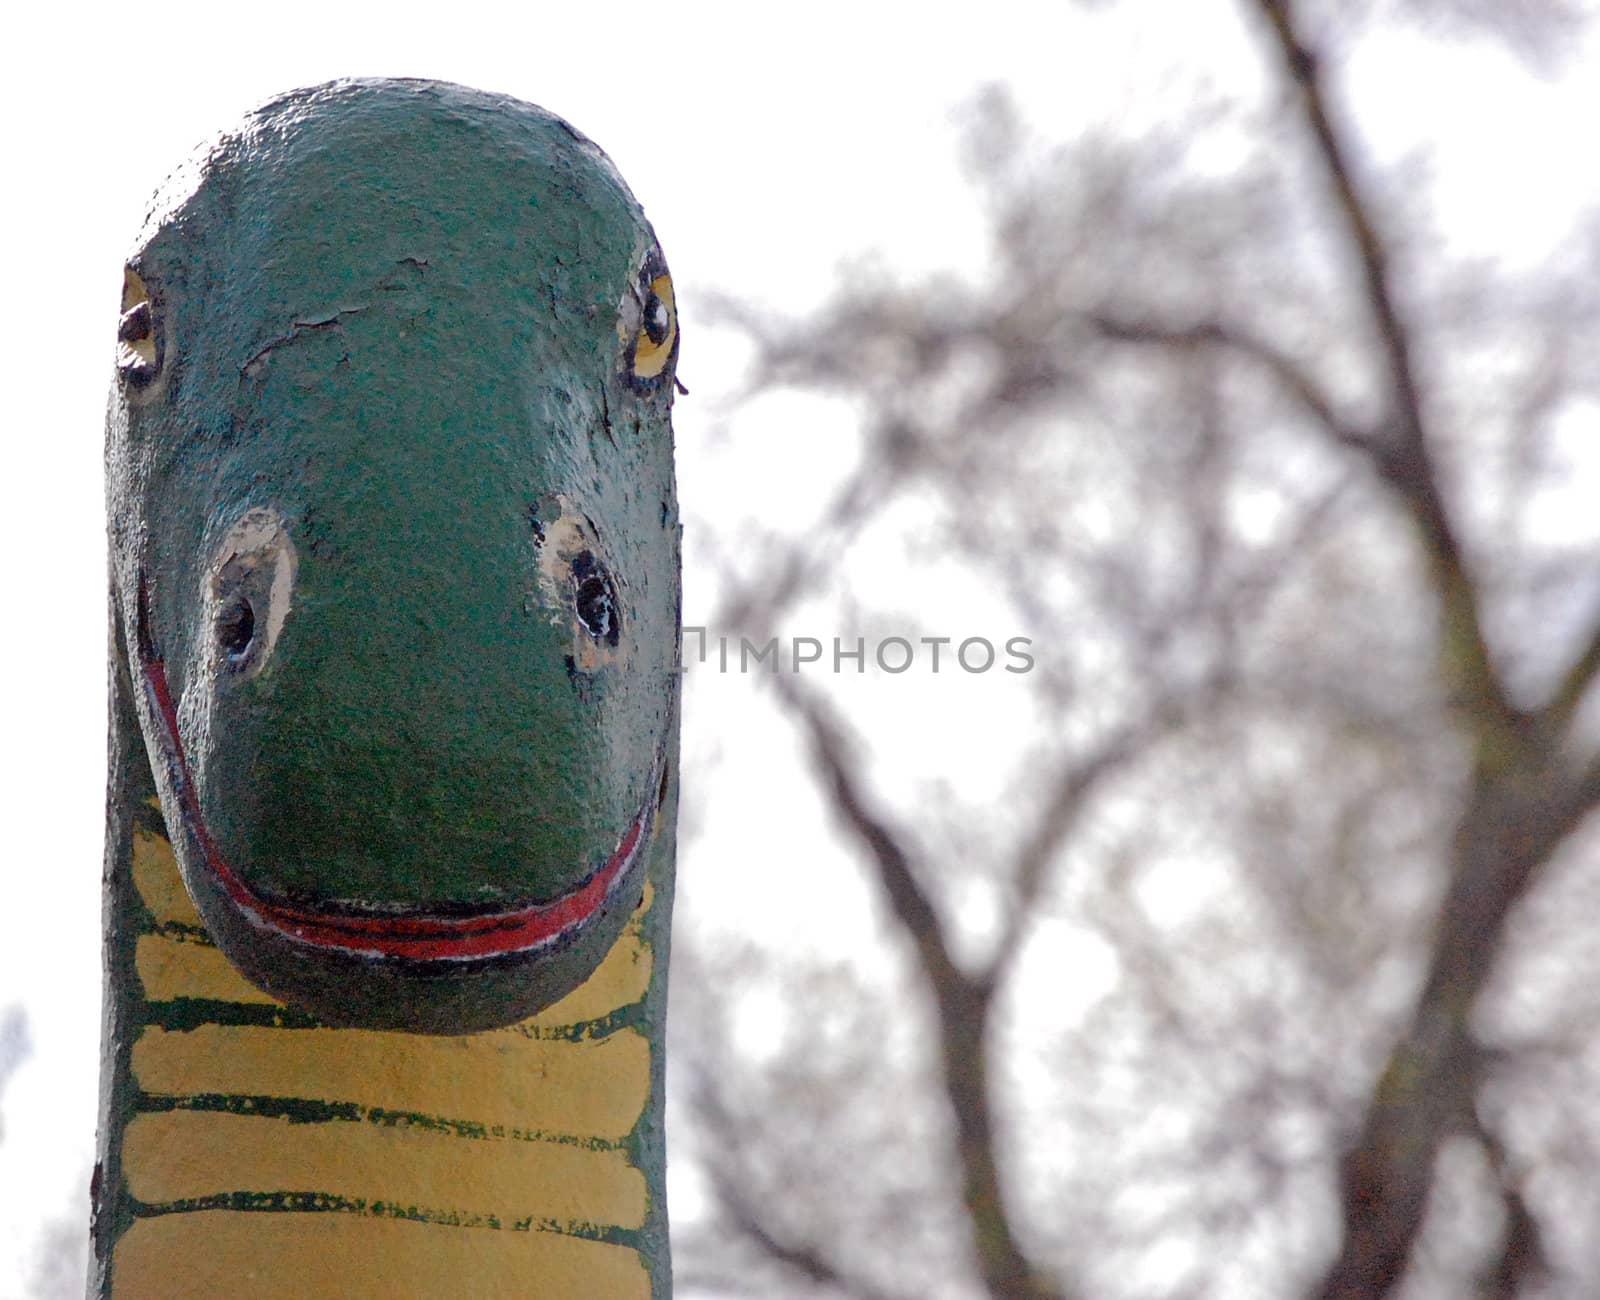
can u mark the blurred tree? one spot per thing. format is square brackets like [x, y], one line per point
[16, 1045]
[1245, 952]
[60, 1265]
[60, 1256]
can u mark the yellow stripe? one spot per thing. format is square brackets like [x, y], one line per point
[177, 1155]
[155, 873]
[170, 969]
[585, 1088]
[516, 1082]
[258, 1256]
[181, 968]
[619, 981]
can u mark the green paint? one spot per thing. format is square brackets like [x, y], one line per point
[392, 515]
[195, 1013]
[130, 787]
[394, 323]
[316, 1203]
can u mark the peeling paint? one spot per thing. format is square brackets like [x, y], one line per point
[394, 605]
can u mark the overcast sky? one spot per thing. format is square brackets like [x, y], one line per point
[764, 150]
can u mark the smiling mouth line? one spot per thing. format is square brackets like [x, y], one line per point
[411, 937]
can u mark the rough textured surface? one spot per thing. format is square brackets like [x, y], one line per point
[394, 597]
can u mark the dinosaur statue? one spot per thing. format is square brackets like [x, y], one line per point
[393, 757]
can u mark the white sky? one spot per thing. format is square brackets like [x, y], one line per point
[766, 143]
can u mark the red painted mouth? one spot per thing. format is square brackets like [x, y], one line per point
[411, 937]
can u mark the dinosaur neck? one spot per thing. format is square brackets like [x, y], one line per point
[247, 1150]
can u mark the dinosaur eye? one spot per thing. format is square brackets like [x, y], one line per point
[138, 345]
[657, 321]
[653, 345]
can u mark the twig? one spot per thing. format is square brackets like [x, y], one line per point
[1522, 1257]
[1558, 712]
[1074, 784]
[962, 1003]
[740, 1203]
[1511, 822]
[1403, 458]
[1218, 334]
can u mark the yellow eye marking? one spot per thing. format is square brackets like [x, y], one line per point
[658, 330]
[136, 330]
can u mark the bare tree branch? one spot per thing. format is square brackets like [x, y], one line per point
[1288, 372]
[1569, 694]
[962, 1003]
[1304, 70]
[1521, 1259]
[1291, 912]
[1509, 827]
[868, 486]
[1403, 457]
[739, 1204]
[1078, 781]
[810, 1263]
[912, 907]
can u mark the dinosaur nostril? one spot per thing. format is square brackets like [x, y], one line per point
[595, 597]
[578, 586]
[236, 627]
[250, 587]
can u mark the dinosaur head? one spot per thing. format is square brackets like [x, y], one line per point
[395, 547]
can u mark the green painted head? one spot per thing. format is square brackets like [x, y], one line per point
[395, 547]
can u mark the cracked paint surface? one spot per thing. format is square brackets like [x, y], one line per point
[394, 552]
